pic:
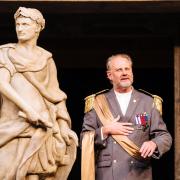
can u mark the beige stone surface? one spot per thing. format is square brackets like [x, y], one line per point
[35, 127]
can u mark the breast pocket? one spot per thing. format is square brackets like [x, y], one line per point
[104, 160]
[142, 164]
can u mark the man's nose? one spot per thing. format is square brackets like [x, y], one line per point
[124, 72]
[19, 28]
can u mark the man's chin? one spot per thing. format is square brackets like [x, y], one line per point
[125, 85]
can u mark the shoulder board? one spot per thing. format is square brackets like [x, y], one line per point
[89, 100]
[157, 100]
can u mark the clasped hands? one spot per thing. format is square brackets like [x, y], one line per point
[125, 128]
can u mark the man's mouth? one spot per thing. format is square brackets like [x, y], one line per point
[124, 79]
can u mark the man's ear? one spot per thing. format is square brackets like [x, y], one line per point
[108, 73]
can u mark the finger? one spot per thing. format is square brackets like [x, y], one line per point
[73, 136]
[126, 124]
[125, 133]
[128, 131]
[66, 138]
[129, 128]
[22, 114]
[150, 153]
[46, 123]
[144, 151]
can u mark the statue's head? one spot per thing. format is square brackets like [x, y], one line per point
[31, 13]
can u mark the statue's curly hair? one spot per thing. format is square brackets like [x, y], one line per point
[32, 13]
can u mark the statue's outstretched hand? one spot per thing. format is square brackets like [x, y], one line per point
[36, 119]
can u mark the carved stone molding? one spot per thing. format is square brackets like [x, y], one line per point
[177, 111]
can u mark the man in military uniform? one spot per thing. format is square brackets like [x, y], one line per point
[124, 127]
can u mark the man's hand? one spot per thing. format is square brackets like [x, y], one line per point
[147, 149]
[117, 128]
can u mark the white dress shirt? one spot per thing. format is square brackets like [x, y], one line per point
[123, 100]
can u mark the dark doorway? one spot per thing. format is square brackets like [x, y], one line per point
[82, 36]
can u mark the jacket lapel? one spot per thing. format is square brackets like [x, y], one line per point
[134, 101]
[115, 107]
[113, 104]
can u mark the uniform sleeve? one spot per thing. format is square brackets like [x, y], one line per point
[159, 133]
[91, 123]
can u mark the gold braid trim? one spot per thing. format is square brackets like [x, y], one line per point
[89, 100]
[157, 101]
[87, 156]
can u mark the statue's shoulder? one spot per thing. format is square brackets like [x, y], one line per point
[4, 58]
[45, 52]
[89, 100]
[9, 45]
[157, 100]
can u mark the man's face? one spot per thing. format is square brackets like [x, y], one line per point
[26, 29]
[120, 73]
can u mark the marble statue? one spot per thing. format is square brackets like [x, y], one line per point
[36, 140]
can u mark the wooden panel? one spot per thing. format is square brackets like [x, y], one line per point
[177, 112]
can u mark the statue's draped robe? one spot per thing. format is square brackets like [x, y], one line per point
[25, 148]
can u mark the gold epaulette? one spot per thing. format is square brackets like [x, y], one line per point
[89, 100]
[157, 100]
[158, 103]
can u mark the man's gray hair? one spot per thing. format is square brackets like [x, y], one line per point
[126, 56]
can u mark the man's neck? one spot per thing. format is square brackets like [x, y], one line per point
[123, 90]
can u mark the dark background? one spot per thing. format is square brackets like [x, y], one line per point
[82, 36]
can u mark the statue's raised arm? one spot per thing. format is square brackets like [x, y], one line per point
[35, 127]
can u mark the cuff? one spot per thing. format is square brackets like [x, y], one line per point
[102, 135]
